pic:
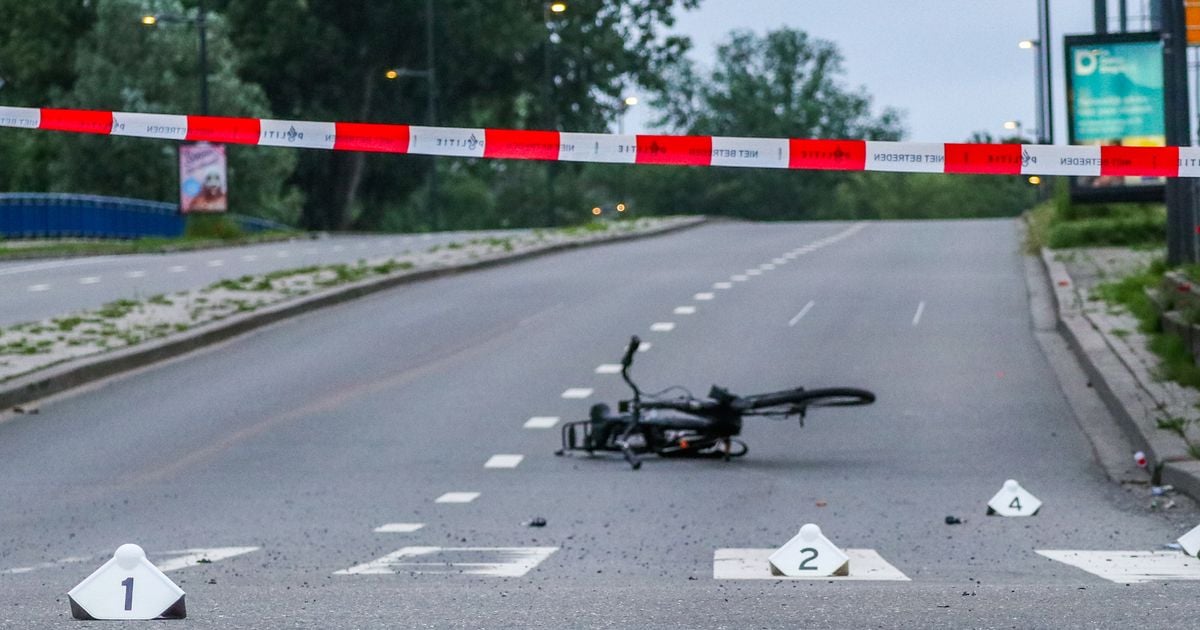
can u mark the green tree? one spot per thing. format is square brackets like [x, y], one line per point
[119, 64]
[325, 59]
[785, 85]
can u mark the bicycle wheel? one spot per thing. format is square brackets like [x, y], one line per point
[827, 397]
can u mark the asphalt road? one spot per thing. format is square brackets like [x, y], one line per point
[301, 439]
[48, 288]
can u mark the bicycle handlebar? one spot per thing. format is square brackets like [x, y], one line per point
[627, 360]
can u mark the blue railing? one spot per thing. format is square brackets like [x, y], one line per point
[51, 215]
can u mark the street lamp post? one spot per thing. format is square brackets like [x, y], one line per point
[431, 110]
[201, 22]
[1015, 125]
[626, 103]
[550, 9]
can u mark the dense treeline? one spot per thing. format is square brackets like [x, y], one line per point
[503, 63]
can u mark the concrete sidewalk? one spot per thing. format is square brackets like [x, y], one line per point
[1117, 360]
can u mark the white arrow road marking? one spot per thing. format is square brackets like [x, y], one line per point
[1126, 567]
[608, 368]
[577, 392]
[192, 557]
[398, 528]
[920, 311]
[662, 326]
[541, 422]
[752, 564]
[486, 561]
[685, 310]
[38, 288]
[89, 280]
[457, 497]
[503, 461]
[799, 316]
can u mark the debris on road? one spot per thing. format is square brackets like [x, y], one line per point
[953, 520]
[536, 522]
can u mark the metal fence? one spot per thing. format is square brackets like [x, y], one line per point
[51, 215]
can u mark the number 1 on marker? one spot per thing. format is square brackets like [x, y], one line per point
[128, 584]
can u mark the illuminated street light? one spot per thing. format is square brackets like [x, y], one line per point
[1026, 44]
[596, 211]
[149, 20]
[201, 23]
[391, 74]
[1012, 124]
[558, 7]
[630, 101]
[620, 207]
[1035, 180]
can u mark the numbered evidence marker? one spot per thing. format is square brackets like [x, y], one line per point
[809, 554]
[1191, 542]
[1013, 500]
[127, 587]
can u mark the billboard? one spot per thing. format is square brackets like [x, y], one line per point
[1115, 97]
[203, 178]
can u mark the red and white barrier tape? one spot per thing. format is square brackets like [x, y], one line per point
[793, 153]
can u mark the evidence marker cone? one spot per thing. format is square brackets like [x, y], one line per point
[1013, 500]
[127, 587]
[809, 554]
[1190, 542]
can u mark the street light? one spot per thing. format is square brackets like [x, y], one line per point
[429, 75]
[201, 22]
[628, 102]
[549, 10]
[1040, 96]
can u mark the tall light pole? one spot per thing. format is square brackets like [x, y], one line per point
[549, 10]
[626, 103]
[431, 110]
[201, 22]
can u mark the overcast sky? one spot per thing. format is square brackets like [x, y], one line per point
[952, 66]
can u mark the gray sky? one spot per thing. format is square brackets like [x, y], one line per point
[952, 66]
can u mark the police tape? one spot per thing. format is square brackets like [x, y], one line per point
[783, 153]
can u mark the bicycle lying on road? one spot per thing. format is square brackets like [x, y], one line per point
[687, 426]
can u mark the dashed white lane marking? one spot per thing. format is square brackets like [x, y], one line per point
[250, 258]
[577, 393]
[511, 562]
[283, 254]
[38, 288]
[685, 310]
[920, 311]
[753, 564]
[645, 347]
[89, 280]
[216, 263]
[177, 269]
[398, 528]
[1127, 567]
[338, 248]
[704, 297]
[362, 246]
[799, 316]
[722, 285]
[457, 497]
[662, 326]
[136, 274]
[754, 272]
[311, 251]
[767, 267]
[608, 368]
[192, 557]
[780, 261]
[739, 277]
[503, 461]
[541, 422]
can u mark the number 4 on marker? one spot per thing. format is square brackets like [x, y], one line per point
[128, 584]
[1016, 503]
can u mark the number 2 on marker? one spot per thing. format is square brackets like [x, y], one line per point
[1016, 503]
[128, 584]
[804, 565]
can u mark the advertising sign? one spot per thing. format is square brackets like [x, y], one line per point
[203, 181]
[1115, 97]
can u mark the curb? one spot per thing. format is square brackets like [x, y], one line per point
[62, 377]
[1122, 387]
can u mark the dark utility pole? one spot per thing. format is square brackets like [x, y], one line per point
[434, 209]
[1100, 15]
[1180, 192]
[1045, 89]
[202, 28]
